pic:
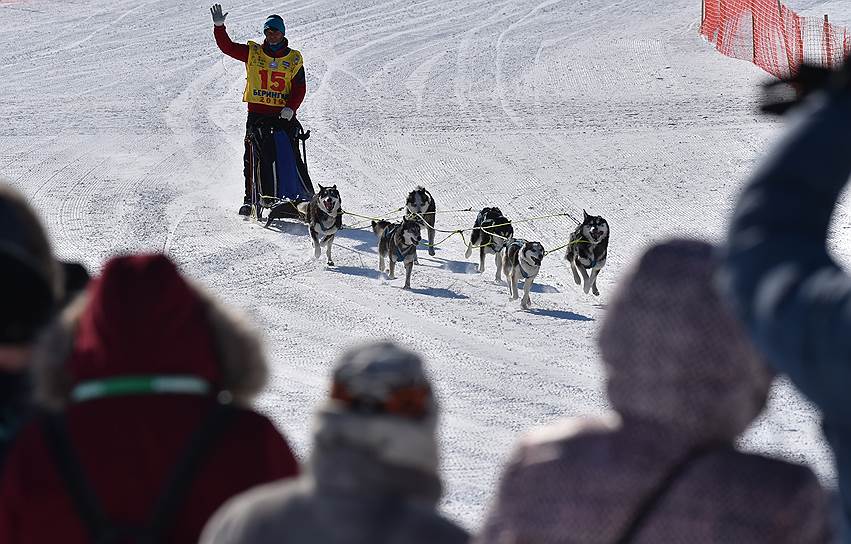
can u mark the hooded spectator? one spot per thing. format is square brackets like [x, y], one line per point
[141, 442]
[792, 295]
[31, 286]
[373, 471]
[684, 382]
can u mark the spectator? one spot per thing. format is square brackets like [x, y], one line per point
[793, 297]
[373, 471]
[140, 444]
[30, 288]
[684, 382]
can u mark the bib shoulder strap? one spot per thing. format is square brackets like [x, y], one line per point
[83, 496]
[654, 497]
[100, 528]
[200, 444]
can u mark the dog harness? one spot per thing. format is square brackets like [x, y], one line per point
[400, 255]
[519, 243]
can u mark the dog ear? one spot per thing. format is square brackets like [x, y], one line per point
[321, 188]
[585, 214]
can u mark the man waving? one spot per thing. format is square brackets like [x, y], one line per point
[275, 82]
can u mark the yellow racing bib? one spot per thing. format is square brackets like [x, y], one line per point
[268, 80]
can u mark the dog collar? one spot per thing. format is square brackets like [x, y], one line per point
[139, 385]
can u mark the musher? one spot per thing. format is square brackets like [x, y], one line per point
[274, 86]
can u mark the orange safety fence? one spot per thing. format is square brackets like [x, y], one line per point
[772, 36]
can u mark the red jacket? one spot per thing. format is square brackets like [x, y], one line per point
[239, 51]
[141, 318]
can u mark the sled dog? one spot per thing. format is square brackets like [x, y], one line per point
[398, 243]
[522, 261]
[491, 233]
[324, 219]
[420, 206]
[588, 247]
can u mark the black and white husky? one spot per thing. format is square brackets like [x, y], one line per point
[491, 233]
[588, 248]
[420, 206]
[522, 261]
[324, 219]
[398, 243]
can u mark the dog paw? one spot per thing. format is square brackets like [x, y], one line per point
[330, 263]
[595, 292]
[431, 251]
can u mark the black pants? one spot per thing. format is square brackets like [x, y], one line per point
[261, 126]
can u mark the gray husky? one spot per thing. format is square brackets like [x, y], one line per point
[324, 219]
[491, 233]
[421, 207]
[589, 245]
[397, 242]
[522, 261]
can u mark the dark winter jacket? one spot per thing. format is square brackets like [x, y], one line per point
[350, 494]
[794, 298]
[31, 289]
[140, 318]
[683, 381]
[239, 51]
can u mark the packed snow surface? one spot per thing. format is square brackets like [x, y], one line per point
[123, 122]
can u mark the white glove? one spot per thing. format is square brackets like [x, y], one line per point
[218, 17]
[287, 114]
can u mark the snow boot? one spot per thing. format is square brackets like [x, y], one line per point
[245, 209]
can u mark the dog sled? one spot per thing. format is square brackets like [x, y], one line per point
[279, 180]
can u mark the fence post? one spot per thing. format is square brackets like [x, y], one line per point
[828, 47]
[754, 35]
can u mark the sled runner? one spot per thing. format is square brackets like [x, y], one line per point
[279, 180]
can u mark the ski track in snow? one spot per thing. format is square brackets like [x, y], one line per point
[124, 125]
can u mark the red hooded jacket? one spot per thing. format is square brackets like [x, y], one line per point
[239, 51]
[141, 318]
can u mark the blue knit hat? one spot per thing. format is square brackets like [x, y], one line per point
[275, 21]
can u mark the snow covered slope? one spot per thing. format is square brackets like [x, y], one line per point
[123, 122]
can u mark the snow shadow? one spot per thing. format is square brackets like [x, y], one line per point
[461, 267]
[536, 287]
[287, 227]
[365, 239]
[439, 292]
[560, 314]
[356, 271]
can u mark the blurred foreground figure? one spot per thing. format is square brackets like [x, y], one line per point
[373, 471]
[794, 298]
[139, 446]
[31, 286]
[684, 382]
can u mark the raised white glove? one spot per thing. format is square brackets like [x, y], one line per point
[218, 17]
[287, 114]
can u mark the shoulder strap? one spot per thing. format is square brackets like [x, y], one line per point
[71, 470]
[89, 508]
[169, 502]
[651, 501]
